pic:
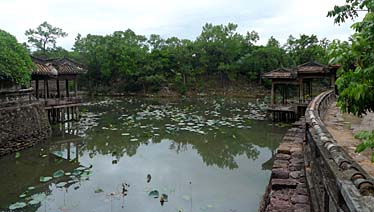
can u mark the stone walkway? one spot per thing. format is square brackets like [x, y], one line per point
[287, 189]
[343, 127]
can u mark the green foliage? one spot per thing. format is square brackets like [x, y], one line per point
[306, 48]
[15, 62]
[367, 142]
[44, 37]
[350, 10]
[126, 61]
[356, 75]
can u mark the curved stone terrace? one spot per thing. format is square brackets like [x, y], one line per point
[331, 177]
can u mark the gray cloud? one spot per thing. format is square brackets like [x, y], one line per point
[180, 18]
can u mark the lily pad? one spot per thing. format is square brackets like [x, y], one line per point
[17, 205]
[18, 155]
[99, 190]
[81, 168]
[38, 197]
[45, 179]
[33, 202]
[76, 172]
[61, 184]
[154, 194]
[58, 173]
[22, 195]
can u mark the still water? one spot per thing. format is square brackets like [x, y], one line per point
[131, 154]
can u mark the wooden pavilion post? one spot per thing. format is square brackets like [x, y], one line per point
[75, 87]
[58, 88]
[47, 88]
[286, 92]
[67, 87]
[301, 90]
[37, 89]
[272, 93]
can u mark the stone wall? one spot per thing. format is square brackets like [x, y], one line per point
[335, 181]
[287, 189]
[23, 121]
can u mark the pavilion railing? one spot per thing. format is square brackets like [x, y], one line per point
[335, 181]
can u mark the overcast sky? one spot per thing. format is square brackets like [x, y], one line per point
[181, 18]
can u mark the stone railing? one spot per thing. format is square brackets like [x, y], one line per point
[335, 181]
[15, 97]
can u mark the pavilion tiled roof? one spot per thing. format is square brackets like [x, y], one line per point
[67, 66]
[54, 67]
[280, 73]
[43, 67]
[312, 68]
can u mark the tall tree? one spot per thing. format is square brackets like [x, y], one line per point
[356, 75]
[44, 37]
[305, 48]
[15, 62]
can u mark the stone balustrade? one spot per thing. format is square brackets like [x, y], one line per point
[328, 179]
[335, 181]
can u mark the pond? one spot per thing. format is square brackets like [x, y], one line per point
[131, 154]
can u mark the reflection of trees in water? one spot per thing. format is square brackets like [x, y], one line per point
[17, 175]
[215, 148]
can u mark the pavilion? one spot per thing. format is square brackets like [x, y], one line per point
[55, 83]
[300, 79]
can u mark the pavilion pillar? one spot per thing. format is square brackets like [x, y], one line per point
[286, 92]
[301, 90]
[283, 94]
[58, 88]
[37, 89]
[47, 88]
[67, 87]
[75, 87]
[272, 93]
[44, 89]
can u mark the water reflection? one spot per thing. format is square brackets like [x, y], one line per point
[206, 150]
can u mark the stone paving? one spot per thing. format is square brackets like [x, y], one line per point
[343, 127]
[287, 189]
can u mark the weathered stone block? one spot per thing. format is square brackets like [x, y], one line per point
[280, 173]
[282, 156]
[302, 199]
[283, 183]
[284, 149]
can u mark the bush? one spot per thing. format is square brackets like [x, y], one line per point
[15, 62]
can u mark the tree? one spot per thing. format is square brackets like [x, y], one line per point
[44, 37]
[356, 74]
[272, 42]
[15, 62]
[306, 48]
[220, 46]
[261, 60]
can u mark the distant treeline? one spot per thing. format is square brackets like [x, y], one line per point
[126, 62]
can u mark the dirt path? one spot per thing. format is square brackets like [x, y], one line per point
[343, 126]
